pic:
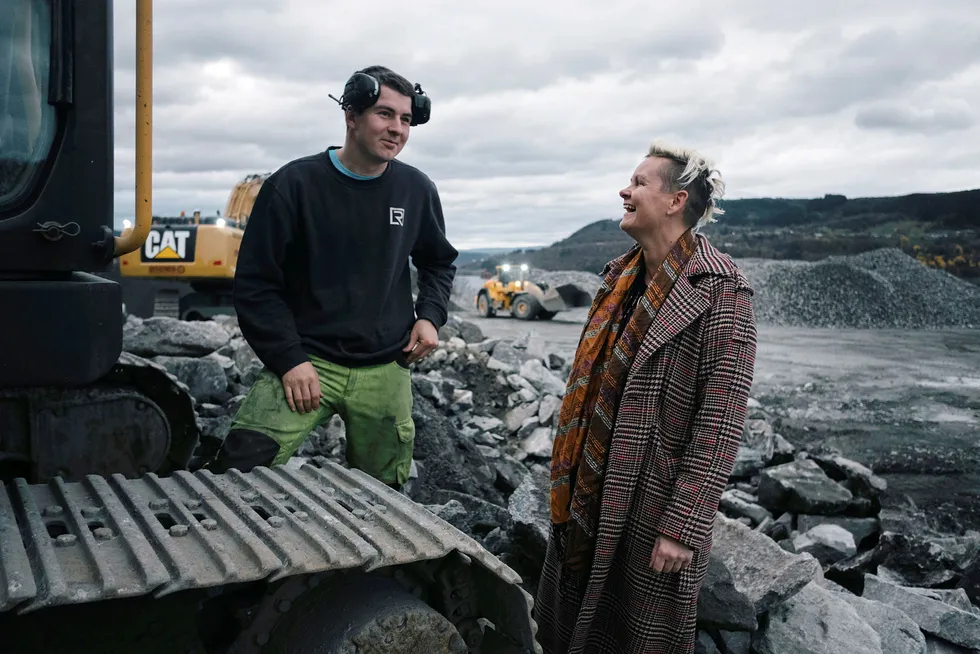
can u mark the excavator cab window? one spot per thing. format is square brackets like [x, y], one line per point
[27, 120]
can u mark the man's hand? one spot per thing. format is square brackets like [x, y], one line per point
[424, 339]
[302, 387]
[669, 555]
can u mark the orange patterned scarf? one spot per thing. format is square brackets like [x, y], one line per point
[588, 411]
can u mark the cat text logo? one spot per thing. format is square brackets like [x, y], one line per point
[168, 245]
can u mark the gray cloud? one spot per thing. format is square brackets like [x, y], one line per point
[542, 110]
[830, 72]
[904, 118]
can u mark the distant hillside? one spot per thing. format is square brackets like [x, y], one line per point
[949, 211]
[941, 229]
[467, 257]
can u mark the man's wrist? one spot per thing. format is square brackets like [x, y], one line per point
[430, 312]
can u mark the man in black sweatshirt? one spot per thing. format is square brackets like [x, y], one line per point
[323, 290]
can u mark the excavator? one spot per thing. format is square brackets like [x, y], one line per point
[196, 251]
[108, 541]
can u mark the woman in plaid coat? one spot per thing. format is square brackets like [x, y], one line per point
[649, 426]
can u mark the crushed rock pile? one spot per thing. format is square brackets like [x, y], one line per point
[882, 288]
[465, 288]
[804, 557]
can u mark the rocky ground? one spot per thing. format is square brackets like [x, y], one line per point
[806, 558]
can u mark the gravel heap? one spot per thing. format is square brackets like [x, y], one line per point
[880, 289]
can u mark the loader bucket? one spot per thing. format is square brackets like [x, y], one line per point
[573, 296]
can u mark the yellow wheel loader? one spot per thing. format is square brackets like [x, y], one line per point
[511, 290]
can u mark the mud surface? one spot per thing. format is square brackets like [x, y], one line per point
[904, 402]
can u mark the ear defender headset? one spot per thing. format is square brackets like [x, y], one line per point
[363, 90]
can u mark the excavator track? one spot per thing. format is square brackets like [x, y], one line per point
[97, 539]
[137, 418]
[171, 396]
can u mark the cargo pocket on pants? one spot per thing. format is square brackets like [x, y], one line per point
[405, 431]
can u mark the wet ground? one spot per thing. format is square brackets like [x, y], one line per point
[905, 403]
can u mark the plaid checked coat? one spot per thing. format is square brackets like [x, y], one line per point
[677, 432]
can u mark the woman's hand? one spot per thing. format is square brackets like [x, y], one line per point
[669, 555]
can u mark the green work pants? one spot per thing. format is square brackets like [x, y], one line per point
[375, 403]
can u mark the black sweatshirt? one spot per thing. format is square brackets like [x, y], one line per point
[323, 264]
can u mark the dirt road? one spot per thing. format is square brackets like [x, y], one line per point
[904, 402]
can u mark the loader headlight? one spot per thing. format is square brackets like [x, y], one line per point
[524, 267]
[220, 222]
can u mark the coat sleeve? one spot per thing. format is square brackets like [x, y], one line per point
[725, 377]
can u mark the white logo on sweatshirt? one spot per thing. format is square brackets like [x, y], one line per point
[396, 216]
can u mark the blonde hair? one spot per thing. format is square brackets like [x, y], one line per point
[688, 170]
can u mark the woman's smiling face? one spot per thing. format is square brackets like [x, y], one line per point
[645, 205]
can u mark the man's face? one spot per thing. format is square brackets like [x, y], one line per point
[382, 129]
[646, 207]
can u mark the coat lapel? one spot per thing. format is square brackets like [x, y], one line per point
[682, 307]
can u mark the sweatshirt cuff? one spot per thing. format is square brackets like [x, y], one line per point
[285, 360]
[431, 313]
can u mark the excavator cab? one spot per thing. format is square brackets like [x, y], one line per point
[62, 324]
[68, 394]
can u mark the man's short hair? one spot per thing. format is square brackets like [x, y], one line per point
[391, 79]
[688, 170]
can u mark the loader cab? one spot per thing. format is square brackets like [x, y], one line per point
[508, 274]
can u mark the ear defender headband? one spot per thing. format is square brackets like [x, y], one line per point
[362, 91]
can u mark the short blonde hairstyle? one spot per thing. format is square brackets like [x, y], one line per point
[688, 170]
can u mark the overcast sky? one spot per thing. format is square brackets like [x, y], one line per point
[541, 110]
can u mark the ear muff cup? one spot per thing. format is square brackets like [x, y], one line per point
[421, 107]
[363, 90]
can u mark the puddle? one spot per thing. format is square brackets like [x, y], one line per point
[961, 383]
[953, 416]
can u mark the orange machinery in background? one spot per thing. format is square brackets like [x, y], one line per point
[198, 251]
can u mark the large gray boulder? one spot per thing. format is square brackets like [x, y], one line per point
[206, 377]
[940, 619]
[720, 604]
[817, 621]
[766, 573]
[156, 336]
[801, 487]
[898, 632]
